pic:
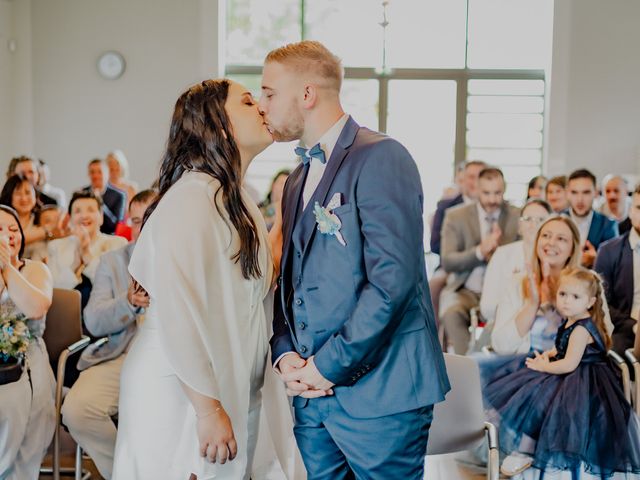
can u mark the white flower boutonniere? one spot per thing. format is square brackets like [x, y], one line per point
[328, 222]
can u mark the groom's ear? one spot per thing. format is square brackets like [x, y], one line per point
[310, 96]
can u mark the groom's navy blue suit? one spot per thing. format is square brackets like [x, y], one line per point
[363, 310]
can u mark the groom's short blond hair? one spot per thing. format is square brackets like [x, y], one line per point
[310, 56]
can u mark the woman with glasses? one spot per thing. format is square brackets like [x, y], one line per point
[511, 258]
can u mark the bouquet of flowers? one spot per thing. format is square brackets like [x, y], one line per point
[14, 336]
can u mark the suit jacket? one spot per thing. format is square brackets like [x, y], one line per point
[461, 235]
[438, 217]
[109, 312]
[113, 208]
[368, 313]
[614, 263]
[602, 229]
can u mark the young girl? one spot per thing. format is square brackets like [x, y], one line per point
[566, 410]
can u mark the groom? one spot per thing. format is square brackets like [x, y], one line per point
[354, 333]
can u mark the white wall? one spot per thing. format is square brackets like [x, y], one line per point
[77, 115]
[594, 109]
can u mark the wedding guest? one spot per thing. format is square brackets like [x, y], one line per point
[271, 204]
[556, 193]
[27, 406]
[73, 260]
[45, 187]
[470, 235]
[594, 227]
[526, 317]
[28, 168]
[113, 200]
[512, 258]
[617, 201]
[536, 187]
[618, 263]
[114, 310]
[119, 174]
[19, 194]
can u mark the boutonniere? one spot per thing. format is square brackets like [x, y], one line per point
[328, 222]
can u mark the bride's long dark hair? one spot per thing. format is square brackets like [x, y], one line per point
[201, 139]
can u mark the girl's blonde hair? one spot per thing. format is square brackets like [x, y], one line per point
[572, 261]
[593, 282]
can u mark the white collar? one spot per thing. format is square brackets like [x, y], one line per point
[634, 238]
[329, 139]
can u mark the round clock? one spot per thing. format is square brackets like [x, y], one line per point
[111, 65]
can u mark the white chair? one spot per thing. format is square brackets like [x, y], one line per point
[459, 422]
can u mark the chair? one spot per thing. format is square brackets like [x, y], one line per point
[63, 337]
[624, 371]
[631, 358]
[459, 422]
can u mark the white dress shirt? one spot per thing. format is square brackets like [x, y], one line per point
[64, 258]
[316, 169]
[475, 279]
[634, 240]
[583, 224]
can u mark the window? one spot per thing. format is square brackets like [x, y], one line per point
[453, 80]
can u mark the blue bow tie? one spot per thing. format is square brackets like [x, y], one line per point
[314, 152]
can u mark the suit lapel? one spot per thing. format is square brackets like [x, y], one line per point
[289, 220]
[625, 279]
[474, 224]
[594, 230]
[306, 228]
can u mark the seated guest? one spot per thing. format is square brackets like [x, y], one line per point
[28, 168]
[512, 258]
[470, 235]
[73, 260]
[536, 187]
[618, 263]
[271, 204]
[119, 174]
[19, 194]
[594, 227]
[27, 406]
[113, 200]
[113, 309]
[617, 201]
[556, 194]
[468, 194]
[45, 187]
[526, 317]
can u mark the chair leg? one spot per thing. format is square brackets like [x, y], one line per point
[493, 459]
[78, 475]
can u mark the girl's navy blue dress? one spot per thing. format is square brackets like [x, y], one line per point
[579, 421]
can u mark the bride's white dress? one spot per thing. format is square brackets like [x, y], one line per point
[207, 327]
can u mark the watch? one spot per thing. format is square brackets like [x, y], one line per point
[111, 65]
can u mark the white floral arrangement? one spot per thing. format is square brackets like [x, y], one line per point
[14, 336]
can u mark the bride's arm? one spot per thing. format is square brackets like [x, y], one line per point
[275, 241]
[215, 432]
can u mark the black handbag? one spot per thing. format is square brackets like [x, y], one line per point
[11, 370]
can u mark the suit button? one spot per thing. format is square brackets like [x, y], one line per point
[298, 301]
[302, 325]
[303, 349]
[299, 280]
[298, 254]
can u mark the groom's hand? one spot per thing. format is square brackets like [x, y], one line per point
[290, 363]
[309, 376]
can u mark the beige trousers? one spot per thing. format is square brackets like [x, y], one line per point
[88, 408]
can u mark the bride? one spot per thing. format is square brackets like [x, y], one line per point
[190, 386]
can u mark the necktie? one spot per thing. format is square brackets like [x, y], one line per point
[314, 152]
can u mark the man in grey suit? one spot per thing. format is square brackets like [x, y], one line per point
[470, 235]
[114, 310]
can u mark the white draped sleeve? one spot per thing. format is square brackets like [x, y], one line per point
[182, 259]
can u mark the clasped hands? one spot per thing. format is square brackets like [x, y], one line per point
[302, 377]
[540, 361]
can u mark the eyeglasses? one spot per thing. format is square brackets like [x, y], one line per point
[528, 219]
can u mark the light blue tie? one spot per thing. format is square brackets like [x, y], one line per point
[314, 152]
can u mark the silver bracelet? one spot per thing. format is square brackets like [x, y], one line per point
[210, 413]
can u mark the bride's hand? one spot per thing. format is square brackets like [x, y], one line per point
[216, 438]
